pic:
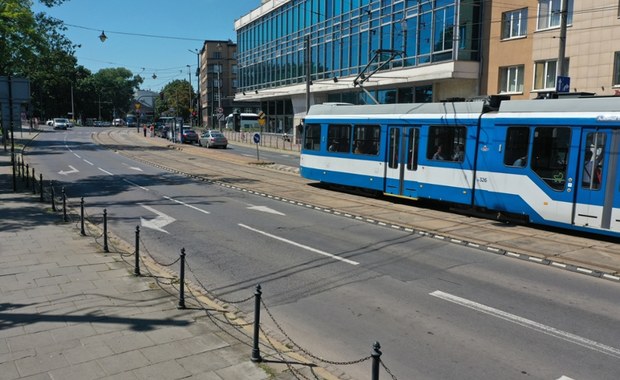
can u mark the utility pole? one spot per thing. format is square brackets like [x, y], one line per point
[308, 74]
[563, 25]
[189, 82]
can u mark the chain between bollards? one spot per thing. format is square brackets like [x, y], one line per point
[105, 231]
[136, 269]
[64, 205]
[182, 281]
[376, 359]
[255, 350]
[82, 231]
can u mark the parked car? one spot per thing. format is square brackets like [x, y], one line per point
[50, 122]
[189, 136]
[118, 122]
[213, 139]
[61, 123]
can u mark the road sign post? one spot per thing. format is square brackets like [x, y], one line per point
[256, 139]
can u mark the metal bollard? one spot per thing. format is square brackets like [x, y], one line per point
[255, 350]
[376, 359]
[41, 187]
[136, 269]
[53, 196]
[105, 231]
[182, 281]
[13, 171]
[64, 205]
[27, 176]
[82, 231]
[21, 170]
[34, 182]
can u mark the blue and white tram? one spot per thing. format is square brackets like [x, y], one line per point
[552, 162]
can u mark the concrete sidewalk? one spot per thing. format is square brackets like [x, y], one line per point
[70, 311]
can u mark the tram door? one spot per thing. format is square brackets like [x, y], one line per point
[597, 187]
[402, 161]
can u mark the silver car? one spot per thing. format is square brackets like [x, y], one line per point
[61, 123]
[213, 139]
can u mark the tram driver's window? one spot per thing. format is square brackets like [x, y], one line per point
[593, 161]
[339, 138]
[517, 143]
[312, 137]
[550, 155]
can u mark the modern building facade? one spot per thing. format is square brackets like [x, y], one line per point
[357, 51]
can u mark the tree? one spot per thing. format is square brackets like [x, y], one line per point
[176, 100]
[108, 93]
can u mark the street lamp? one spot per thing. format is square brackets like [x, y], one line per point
[102, 36]
[199, 93]
[219, 87]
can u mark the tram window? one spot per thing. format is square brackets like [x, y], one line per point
[412, 152]
[339, 138]
[366, 139]
[312, 137]
[446, 143]
[393, 146]
[550, 155]
[593, 162]
[517, 143]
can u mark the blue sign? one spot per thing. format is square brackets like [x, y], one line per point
[562, 84]
[256, 138]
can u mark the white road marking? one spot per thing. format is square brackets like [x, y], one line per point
[76, 155]
[73, 170]
[105, 171]
[133, 167]
[584, 342]
[159, 222]
[565, 378]
[187, 205]
[265, 209]
[135, 184]
[89, 163]
[299, 245]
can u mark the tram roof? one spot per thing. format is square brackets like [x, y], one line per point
[397, 109]
[588, 104]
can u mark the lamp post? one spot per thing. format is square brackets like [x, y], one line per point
[219, 87]
[198, 92]
[189, 82]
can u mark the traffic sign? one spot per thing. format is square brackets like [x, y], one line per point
[261, 122]
[138, 105]
[220, 110]
[261, 115]
[256, 138]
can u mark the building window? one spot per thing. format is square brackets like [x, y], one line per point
[514, 24]
[544, 75]
[217, 55]
[511, 79]
[617, 68]
[549, 13]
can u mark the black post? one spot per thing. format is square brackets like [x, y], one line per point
[34, 182]
[41, 187]
[136, 269]
[105, 231]
[255, 350]
[14, 174]
[182, 281]
[21, 170]
[64, 205]
[53, 196]
[376, 359]
[27, 175]
[82, 231]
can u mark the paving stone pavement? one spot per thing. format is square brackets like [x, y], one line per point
[71, 311]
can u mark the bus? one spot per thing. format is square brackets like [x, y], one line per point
[247, 121]
[131, 120]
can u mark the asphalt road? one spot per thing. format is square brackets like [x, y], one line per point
[339, 284]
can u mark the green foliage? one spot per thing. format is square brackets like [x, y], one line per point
[107, 93]
[176, 100]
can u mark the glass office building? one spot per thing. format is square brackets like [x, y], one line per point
[397, 50]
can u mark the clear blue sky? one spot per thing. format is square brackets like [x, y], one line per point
[186, 22]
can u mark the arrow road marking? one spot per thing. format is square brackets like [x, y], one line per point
[133, 167]
[335, 257]
[265, 209]
[572, 338]
[73, 170]
[159, 222]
